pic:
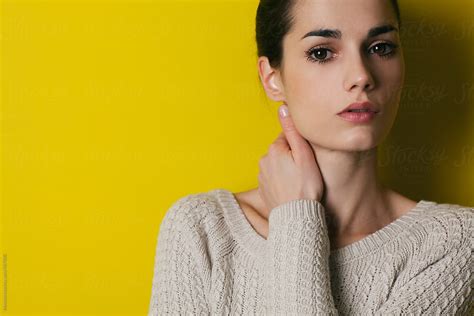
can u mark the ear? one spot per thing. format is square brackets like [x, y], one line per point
[270, 79]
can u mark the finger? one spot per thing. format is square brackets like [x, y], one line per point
[297, 143]
[281, 140]
[280, 146]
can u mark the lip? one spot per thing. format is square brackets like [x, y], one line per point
[354, 117]
[360, 105]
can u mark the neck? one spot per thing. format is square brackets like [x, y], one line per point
[356, 203]
[354, 199]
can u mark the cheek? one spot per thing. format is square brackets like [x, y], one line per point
[309, 81]
[312, 92]
[313, 106]
[313, 119]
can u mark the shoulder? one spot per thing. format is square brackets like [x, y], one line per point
[438, 236]
[192, 207]
[199, 218]
[453, 223]
[458, 215]
[191, 211]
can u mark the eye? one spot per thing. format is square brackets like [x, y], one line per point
[384, 49]
[320, 54]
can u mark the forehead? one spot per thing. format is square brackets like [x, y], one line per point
[352, 17]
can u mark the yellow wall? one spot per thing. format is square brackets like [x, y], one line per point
[111, 110]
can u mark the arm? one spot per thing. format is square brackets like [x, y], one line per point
[181, 272]
[297, 263]
[442, 288]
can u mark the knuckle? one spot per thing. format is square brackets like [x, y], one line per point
[288, 125]
[274, 148]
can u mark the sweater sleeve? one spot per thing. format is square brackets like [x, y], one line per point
[297, 263]
[441, 288]
[181, 270]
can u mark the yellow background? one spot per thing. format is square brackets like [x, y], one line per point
[112, 110]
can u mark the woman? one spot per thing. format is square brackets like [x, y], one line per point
[320, 234]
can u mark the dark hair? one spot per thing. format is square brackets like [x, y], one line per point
[274, 20]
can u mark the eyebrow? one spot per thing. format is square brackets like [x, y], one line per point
[337, 34]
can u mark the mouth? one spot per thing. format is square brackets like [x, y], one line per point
[360, 107]
[359, 117]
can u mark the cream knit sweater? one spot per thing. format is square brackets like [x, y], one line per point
[210, 261]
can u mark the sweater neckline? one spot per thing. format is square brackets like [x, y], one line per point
[256, 245]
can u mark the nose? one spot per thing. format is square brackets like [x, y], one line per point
[358, 75]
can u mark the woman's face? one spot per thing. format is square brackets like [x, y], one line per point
[356, 67]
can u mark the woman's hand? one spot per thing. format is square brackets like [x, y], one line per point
[289, 170]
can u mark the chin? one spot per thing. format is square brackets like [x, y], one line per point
[360, 142]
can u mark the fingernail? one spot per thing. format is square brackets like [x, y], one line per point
[283, 110]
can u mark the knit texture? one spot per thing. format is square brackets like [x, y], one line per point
[209, 260]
